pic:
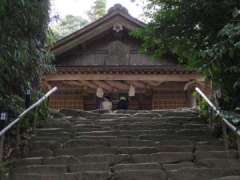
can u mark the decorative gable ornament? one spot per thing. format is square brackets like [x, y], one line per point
[118, 27]
[131, 92]
[99, 92]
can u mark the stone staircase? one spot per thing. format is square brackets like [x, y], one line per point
[133, 145]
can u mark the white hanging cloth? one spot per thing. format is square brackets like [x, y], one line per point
[131, 92]
[99, 92]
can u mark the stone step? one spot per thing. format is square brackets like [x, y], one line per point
[136, 166]
[140, 174]
[61, 169]
[174, 137]
[228, 178]
[41, 169]
[219, 163]
[134, 145]
[109, 142]
[202, 173]
[88, 175]
[179, 165]
[126, 132]
[209, 147]
[163, 157]
[216, 155]
[109, 150]
[111, 159]
[35, 177]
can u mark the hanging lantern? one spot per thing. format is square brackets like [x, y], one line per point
[99, 92]
[131, 92]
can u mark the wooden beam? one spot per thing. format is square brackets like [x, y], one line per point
[73, 83]
[154, 83]
[118, 85]
[136, 84]
[103, 85]
[126, 77]
[89, 84]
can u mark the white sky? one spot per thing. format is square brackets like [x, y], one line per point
[80, 7]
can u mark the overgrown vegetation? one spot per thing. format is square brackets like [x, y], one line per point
[23, 58]
[202, 34]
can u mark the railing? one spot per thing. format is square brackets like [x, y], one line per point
[8, 127]
[225, 123]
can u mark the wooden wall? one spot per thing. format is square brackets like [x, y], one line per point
[67, 98]
[168, 96]
[109, 51]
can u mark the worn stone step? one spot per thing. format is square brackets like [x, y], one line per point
[53, 138]
[209, 147]
[41, 169]
[201, 173]
[228, 178]
[88, 175]
[219, 163]
[111, 159]
[109, 142]
[126, 132]
[140, 175]
[216, 155]
[35, 177]
[175, 137]
[43, 152]
[48, 144]
[96, 166]
[57, 169]
[136, 166]
[193, 132]
[179, 165]
[110, 150]
[49, 130]
[147, 126]
[163, 157]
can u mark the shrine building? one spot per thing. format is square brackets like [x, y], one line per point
[103, 59]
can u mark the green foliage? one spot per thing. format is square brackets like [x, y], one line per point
[97, 10]
[203, 34]
[23, 56]
[68, 25]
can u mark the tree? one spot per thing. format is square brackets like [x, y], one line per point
[68, 25]
[23, 56]
[97, 10]
[203, 34]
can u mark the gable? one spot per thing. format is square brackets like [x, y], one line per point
[111, 49]
[116, 16]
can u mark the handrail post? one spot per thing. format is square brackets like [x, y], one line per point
[238, 145]
[1, 147]
[225, 136]
[35, 119]
[18, 138]
[211, 119]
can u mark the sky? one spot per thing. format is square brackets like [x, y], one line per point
[80, 7]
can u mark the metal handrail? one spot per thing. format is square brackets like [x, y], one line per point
[218, 112]
[2, 132]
